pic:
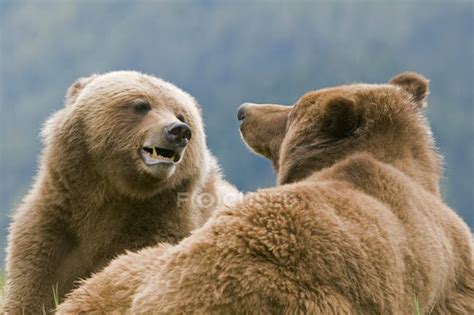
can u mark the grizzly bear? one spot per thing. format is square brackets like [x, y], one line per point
[356, 224]
[122, 164]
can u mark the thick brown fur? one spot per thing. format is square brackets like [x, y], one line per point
[356, 225]
[94, 197]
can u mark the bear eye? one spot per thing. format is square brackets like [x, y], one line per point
[181, 117]
[142, 107]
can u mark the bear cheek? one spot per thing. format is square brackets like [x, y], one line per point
[247, 132]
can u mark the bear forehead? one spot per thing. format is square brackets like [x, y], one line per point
[132, 84]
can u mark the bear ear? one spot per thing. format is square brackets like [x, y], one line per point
[74, 90]
[340, 117]
[415, 84]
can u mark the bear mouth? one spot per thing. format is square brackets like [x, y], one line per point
[157, 155]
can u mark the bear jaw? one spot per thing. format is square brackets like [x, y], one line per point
[156, 155]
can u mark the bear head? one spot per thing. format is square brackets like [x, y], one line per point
[139, 133]
[328, 125]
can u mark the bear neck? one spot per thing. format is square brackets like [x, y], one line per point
[411, 149]
[420, 162]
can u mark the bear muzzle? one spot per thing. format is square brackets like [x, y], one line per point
[166, 147]
[155, 155]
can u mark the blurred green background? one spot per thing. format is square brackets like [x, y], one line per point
[227, 53]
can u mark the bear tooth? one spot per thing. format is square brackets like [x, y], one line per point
[154, 155]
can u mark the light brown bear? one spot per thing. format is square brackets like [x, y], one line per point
[355, 226]
[123, 166]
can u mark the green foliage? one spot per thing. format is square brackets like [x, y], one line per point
[56, 299]
[226, 53]
[416, 305]
[2, 287]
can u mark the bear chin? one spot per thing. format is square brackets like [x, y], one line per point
[161, 171]
[138, 179]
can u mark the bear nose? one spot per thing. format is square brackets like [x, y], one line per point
[178, 134]
[241, 111]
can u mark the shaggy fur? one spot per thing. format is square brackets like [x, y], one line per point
[355, 226]
[94, 197]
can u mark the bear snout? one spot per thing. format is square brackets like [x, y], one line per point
[242, 111]
[178, 134]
